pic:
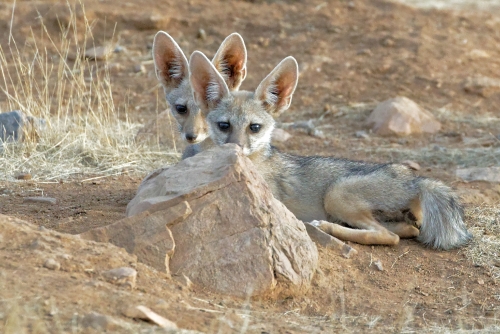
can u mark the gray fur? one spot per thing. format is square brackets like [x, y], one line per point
[313, 188]
[443, 224]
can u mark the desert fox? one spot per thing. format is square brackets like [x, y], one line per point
[172, 71]
[317, 189]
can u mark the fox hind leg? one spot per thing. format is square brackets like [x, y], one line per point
[402, 229]
[356, 212]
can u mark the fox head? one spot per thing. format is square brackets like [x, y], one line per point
[172, 70]
[243, 118]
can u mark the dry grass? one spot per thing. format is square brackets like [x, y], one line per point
[484, 222]
[85, 132]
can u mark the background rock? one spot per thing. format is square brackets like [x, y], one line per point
[401, 116]
[488, 174]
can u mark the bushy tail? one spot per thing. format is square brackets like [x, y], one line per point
[443, 216]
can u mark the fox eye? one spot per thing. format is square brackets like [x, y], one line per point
[255, 128]
[223, 126]
[181, 109]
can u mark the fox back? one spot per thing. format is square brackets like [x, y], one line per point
[172, 70]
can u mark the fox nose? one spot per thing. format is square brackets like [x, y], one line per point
[191, 137]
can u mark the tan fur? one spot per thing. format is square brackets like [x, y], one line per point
[322, 190]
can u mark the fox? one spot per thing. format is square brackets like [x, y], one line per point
[172, 71]
[339, 196]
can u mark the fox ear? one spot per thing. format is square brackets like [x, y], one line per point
[170, 62]
[209, 87]
[231, 60]
[276, 90]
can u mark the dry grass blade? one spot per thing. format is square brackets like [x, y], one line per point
[85, 132]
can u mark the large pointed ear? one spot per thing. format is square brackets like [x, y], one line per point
[276, 90]
[231, 60]
[170, 62]
[208, 85]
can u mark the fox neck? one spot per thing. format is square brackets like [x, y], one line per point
[261, 155]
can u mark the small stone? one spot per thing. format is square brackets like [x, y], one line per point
[351, 5]
[362, 134]
[488, 174]
[119, 49]
[144, 313]
[52, 264]
[23, 176]
[100, 322]
[365, 52]
[378, 265]
[318, 134]
[483, 86]
[412, 164]
[202, 34]
[41, 200]
[480, 281]
[388, 42]
[348, 251]
[280, 135]
[264, 42]
[121, 276]
[139, 68]
[99, 52]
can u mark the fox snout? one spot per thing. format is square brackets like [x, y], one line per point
[191, 137]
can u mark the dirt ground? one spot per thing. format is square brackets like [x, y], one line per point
[351, 56]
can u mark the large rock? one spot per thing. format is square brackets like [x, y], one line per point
[401, 116]
[237, 238]
[16, 126]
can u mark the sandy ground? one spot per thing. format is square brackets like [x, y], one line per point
[351, 57]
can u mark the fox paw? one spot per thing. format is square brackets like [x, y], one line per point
[315, 223]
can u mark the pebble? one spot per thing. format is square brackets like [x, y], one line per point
[139, 68]
[388, 42]
[378, 265]
[23, 176]
[41, 200]
[202, 34]
[52, 264]
[121, 276]
[412, 164]
[362, 134]
[144, 313]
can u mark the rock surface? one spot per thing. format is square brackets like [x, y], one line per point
[401, 116]
[488, 174]
[483, 86]
[145, 235]
[121, 276]
[16, 126]
[236, 238]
